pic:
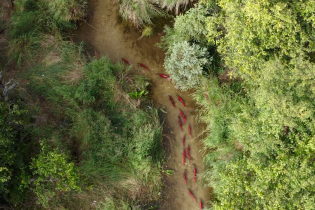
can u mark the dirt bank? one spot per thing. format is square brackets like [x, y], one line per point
[107, 35]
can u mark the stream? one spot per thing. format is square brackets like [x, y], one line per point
[106, 34]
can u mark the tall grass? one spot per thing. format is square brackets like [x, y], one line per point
[66, 10]
[139, 12]
[175, 5]
[117, 139]
[82, 107]
[33, 20]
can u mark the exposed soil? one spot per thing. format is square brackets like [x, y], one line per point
[108, 36]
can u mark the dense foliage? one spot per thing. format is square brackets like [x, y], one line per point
[261, 130]
[14, 157]
[83, 140]
[54, 174]
[258, 105]
[102, 142]
[196, 32]
[115, 139]
[258, 31]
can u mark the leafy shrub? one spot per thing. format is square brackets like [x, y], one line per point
[184, 63]
[54, 174]
[196, 19]
[254, 157]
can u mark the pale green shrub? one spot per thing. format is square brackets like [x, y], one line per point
[184, 63]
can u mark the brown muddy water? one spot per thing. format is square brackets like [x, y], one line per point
[105, 34]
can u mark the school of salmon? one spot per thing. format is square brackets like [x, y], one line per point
[187, 150]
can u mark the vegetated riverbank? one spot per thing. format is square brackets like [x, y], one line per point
[107, 35]
[73, 136]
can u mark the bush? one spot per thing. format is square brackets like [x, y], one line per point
[54, 175]
[196, 18]
[184, 63]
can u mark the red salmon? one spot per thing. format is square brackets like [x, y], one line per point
[188, 152]
[126, 61]
[180, 123]
[172, 101]
[96, 55]
[192, 195]
[163, 76]
[166, 77]
[181, 100]
[144, 66]
[182, 113]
